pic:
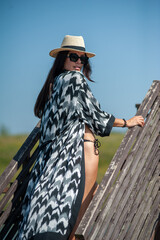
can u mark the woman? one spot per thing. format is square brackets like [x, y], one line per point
[66, 168]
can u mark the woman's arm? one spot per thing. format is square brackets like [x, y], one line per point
[134, 121]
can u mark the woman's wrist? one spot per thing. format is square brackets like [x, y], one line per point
[120, 123]
[125, 123]
[134, 121]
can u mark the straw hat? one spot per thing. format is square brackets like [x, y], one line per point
[75, 43]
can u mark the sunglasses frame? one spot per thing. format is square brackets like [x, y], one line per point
[74, 58]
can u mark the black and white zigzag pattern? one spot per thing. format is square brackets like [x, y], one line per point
[55, 190]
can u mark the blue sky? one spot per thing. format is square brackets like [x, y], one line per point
[124, 35]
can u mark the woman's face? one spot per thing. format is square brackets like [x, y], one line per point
[73, 66]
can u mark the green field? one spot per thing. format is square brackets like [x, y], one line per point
[9, 145]
[109, 146]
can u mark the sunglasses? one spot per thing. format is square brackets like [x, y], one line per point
[74, 58]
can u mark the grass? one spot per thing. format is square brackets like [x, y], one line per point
[109, 146]
[9, 145]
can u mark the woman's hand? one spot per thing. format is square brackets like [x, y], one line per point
[134, 121]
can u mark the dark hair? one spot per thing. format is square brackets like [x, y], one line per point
[57, 68]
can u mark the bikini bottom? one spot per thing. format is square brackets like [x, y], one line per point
[97, 145]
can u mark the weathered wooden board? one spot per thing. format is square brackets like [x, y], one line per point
[11, 198]
[116, 209]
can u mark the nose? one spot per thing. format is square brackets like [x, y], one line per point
[79, 61]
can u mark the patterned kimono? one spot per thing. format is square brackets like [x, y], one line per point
[55, 190]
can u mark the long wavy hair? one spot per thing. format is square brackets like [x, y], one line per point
[57, 68]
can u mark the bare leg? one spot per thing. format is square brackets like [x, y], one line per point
[91, 168]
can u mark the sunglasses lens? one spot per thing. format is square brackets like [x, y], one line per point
[84, 59]
[73, 57]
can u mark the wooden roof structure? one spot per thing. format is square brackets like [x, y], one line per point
[127, 202]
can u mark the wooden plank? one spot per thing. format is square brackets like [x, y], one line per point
[132, 208]
[12, 234]
[121, 216]
[13, 211]
[2, 237]
[143, 210]
[146, 111]
[147, 229]
[132, 191]
[28, 145]
[24, 177]
[137, 195]
[5, 214]
[92, 212]
[13, 187]
[96, 223]
[149, 99]
[122, 191]
[14, 165]
[15, 206]
[155, 209]
[144, 214]
[8, 195]
[116, 193]
[94, 209]
[7, 175]
[111, 237]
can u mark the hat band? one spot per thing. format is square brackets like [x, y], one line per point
[75, 47]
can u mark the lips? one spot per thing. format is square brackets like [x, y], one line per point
[77, 68]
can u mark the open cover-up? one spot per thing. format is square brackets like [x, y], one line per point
[56, 187]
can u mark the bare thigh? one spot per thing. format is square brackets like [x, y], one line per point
[91, 167]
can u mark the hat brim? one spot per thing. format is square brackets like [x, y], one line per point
[54, 52]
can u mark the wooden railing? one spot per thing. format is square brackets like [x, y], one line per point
[126, 204]
[13, 183]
